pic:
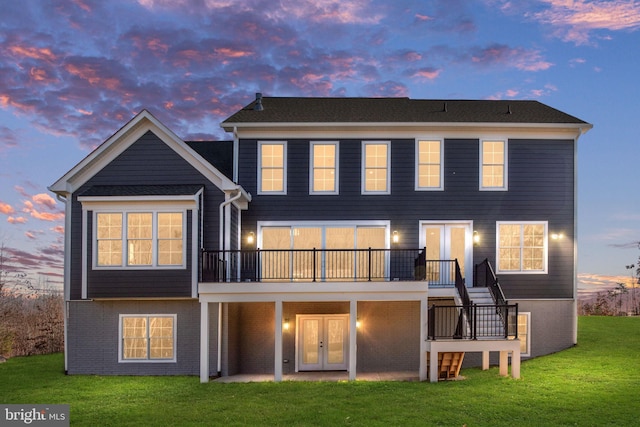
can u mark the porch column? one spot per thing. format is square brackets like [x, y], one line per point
[277, 369]
[204, 342]
[353, 338]
[422, 371]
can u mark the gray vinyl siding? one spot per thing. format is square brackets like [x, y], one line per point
[540, 188]
[93, 337]
[148, 161]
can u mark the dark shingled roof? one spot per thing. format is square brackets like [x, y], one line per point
[398, 110]
[218, 153]
[141, 190]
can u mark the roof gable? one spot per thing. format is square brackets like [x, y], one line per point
[126, 137]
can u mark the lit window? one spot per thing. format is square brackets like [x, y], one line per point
[147, 338]
[324, 168]
[429, 165]
[375, 167]
[169, 238]
[109, 239]
[493, 165]
[139, 238]
[524, 326]
[522, 247]
[272, 168]
[146, 239]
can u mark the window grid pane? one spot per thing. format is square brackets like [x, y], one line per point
[109, 239]
[493, 163]
[170, 238]
[429, 164]
[324, 167]
[147, 337]
[272, 167]
[521, 247]
[139, 238]
[375, 173]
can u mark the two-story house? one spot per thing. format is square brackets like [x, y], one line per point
[355, 234]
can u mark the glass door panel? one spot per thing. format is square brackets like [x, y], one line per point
[323, 342]
[275, 264]
[446, 242]
[306, 238]
[373, 264]
[339, 262]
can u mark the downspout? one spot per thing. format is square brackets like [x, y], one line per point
[67, 275]
[223, 205]
[236, 154]
[221, 245]
[575, 235]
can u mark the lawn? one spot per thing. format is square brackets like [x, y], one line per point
[593, 384]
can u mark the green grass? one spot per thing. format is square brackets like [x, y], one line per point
[593, 384]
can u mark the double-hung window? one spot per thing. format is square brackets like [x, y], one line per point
[376, 166]
[147, 338]
[429, 163]
[323, 167]
[272, 167]
[493, 164]
[522, 247]
[139, 239]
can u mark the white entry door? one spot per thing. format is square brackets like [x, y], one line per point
[448, 241]
[322, 342]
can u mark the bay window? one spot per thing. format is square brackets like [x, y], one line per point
[139, 239]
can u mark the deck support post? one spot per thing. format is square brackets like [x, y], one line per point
[422, 371]
[353, 338]
[204, 342]
[277, 369]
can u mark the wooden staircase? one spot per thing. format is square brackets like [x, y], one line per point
[449, 364]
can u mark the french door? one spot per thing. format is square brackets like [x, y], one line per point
[447, 241]
[322, 342]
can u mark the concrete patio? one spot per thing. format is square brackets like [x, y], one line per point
[334, 376]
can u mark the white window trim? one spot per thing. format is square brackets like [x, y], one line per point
[284, 168]
[121, 359]
[417, 165]
[124, 211]
[336, 166]
[363, 168]
[545, 249]
[505, 186]
[528, 315]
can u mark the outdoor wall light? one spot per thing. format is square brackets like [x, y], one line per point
[285, 325]
[396, 237]
[557, 236]
[476, 237]
[251, 238]
[358, 323]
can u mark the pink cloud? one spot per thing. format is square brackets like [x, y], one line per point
[16, 220]
[576, 20]
[58, 229]
[44, 216]
[520, 58]
[427, 73]
[6, 208]
[44, 199]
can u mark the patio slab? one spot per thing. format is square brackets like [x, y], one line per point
[332, 376]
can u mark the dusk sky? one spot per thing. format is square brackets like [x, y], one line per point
[72, 72]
